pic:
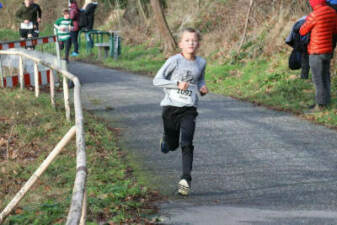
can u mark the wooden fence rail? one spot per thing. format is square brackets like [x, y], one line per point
[77, 211]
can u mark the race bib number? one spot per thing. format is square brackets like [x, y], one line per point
[27, 26]
[187, 96]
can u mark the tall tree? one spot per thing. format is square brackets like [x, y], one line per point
[246, 25]
[166, 35]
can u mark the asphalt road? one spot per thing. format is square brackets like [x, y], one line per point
[252, 166]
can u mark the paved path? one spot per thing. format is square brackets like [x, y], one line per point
[252, 165]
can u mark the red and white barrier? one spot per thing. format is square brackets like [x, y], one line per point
[29, 79]
[24, 43]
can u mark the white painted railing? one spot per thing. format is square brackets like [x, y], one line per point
[77, 212]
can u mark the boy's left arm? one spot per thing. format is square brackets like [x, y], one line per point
[201, 83]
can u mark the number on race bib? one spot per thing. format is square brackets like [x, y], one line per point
[184, 96]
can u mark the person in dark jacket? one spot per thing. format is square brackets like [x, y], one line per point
[89, 11]
[75, 16]
[29, 14]
[322, 25]
[38, 16]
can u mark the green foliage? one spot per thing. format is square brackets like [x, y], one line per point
[7, 35]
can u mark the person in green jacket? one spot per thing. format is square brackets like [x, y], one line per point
[64, 26]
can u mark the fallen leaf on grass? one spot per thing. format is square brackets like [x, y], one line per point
[2, 141]
[292, 77]
[308, 91]
[18, 211]
[14, 155]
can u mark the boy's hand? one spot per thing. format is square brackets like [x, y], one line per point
[183, 85]
[203, 90]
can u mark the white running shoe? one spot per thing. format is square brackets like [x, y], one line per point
[183, 187]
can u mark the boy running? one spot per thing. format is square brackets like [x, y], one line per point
[64, 25]
[182, 77]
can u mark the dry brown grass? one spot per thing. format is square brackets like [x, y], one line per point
[222, 23]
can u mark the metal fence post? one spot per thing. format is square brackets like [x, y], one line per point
[116, 37]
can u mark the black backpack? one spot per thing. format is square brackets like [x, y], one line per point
[295, 59]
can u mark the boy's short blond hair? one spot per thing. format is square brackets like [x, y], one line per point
[190, 30]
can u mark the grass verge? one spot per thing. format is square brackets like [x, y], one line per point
[29, 129]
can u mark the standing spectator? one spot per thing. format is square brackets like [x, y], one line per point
[89, 11]
[37, 17]
[64, 26]
[28, 16]
[322, 23]
[75, 16]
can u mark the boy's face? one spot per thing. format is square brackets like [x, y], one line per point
[189, 43]
[66, 15]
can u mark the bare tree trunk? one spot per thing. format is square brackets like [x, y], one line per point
[131, 12]
[246, 25]
[169, 42]
[141, 9]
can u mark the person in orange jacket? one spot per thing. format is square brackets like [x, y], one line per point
[322, 23]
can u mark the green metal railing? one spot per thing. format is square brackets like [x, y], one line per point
[97, 36]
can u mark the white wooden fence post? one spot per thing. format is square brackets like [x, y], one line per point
[66, 91]
[22, 84]
[66, 97]
[1, 73]
[52, 88]
[36, 80]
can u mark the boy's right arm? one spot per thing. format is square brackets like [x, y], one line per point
[162, 77]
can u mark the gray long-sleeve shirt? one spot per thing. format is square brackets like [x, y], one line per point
[178, 68]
